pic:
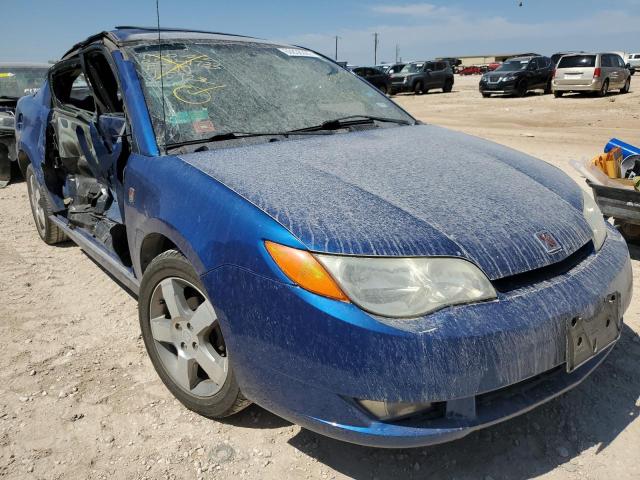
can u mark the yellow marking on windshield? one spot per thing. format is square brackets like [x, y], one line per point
[195, 94]
[178, 66]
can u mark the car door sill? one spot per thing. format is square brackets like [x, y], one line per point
[99, 254]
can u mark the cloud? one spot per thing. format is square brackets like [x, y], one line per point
[462, 34]
[412, 9]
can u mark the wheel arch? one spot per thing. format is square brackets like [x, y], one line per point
[154, 244]
[23, 162]
[158, 238]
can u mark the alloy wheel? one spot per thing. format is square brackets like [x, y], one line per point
[36, 202]
[187, 337]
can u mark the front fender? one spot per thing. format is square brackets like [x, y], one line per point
[209, 223]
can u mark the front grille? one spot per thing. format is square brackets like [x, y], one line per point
[538, 275]
[494, 78]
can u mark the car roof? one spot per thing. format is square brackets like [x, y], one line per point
[122, 35]
[522, 59]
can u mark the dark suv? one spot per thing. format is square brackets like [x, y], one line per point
[375, 77]
[420, 77]
[517, 76]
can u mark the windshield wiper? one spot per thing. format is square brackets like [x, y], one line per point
[219, 137]
[8, 97]
[350, 120]
[323, 129]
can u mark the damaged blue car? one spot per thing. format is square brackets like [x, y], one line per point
[297, 240]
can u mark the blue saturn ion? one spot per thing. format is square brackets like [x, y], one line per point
[297, 240]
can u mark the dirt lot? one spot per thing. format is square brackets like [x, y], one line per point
[79, 397]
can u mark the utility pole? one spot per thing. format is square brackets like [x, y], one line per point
[375, 48]
[397, 53]
[336, 57]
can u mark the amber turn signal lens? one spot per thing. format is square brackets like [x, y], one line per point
[303, 269]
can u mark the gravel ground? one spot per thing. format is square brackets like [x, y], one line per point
[79, 397]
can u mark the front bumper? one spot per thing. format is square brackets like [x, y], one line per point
[498, 87]
[401, 87]
[306, 358]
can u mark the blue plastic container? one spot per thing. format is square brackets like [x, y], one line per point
[626, 148]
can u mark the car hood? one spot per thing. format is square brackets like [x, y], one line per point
[409, 191]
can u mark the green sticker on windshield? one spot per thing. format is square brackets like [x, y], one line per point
[190, 116]
[7, 74]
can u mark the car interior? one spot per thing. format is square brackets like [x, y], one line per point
[87, 132]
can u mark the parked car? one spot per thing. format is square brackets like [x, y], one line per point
[473, 70]
[634, 62]
[395, 68]
[593, 72]
[375, 77]
[493, 66]
[453, 62]
[297, 240]
[16, 80]
[555, 58]
[420, 77]
[518, 76]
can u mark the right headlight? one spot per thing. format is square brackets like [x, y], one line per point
[407, 287]
[594, 218]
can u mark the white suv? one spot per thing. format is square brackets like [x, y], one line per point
[634, 62]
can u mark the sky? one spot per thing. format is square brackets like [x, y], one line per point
[42, 30]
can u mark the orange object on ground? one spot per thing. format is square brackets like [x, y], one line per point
[610, 162]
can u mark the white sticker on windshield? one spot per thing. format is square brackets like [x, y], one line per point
[298, 52]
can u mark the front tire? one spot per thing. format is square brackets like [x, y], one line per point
[418, 88]
[182, 335]
[522, 88]
[558, 94]
[41, 209]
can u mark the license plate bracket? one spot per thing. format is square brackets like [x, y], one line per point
[587, 337]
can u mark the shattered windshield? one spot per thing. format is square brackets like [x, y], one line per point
[217, 87]
[17, 82]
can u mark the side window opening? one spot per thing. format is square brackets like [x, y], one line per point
[70, 87]
[103, 82]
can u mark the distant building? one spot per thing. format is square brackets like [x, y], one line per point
[469, 60]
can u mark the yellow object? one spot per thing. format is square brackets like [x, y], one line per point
[302, 268]
[610, 162]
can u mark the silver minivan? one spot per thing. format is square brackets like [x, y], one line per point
[591, 72]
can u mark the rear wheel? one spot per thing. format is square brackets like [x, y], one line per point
[418, 88]
[5, 166]
[627, 86]
[558, 94]
[41, 209]
[604, 89]
[184, 340]
[448, 86]
[547, 88]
